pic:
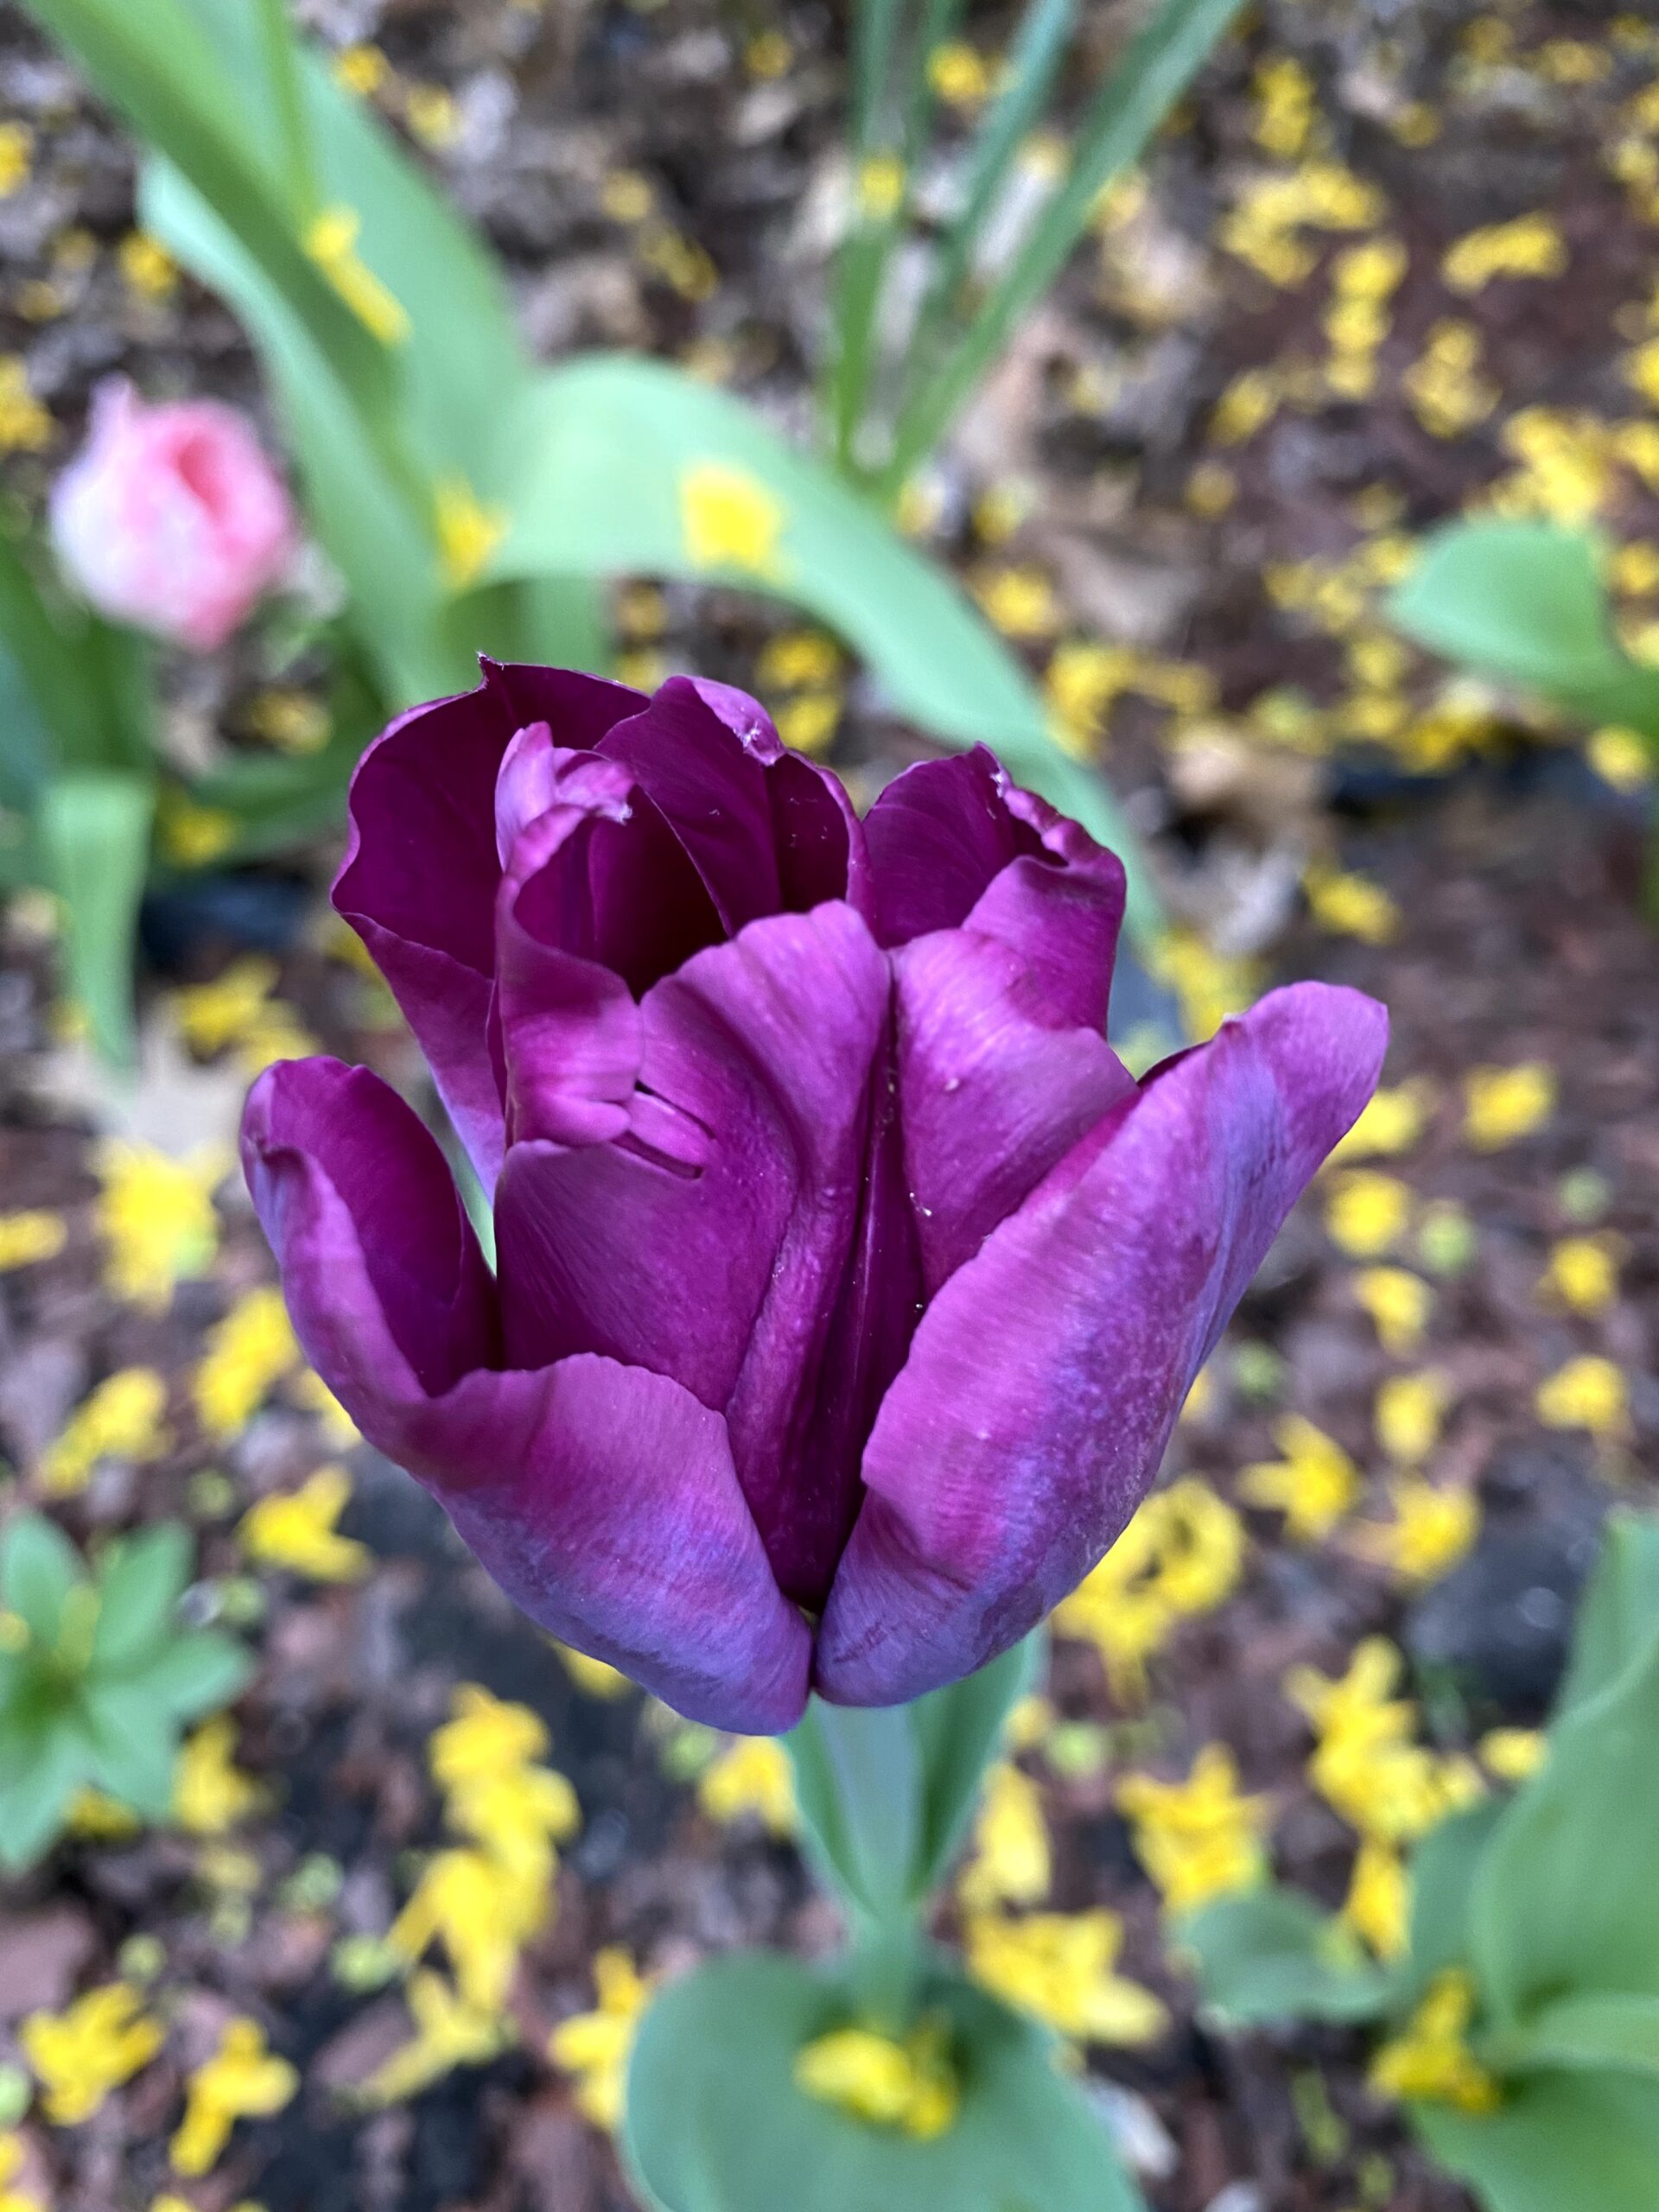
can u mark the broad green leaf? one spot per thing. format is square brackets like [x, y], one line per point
[39, 1566]
[38, 1777]
[167, 78]
[1444, 1866]
[957, 1729]
[1161, 61]
[1525, 601]
[94, 837]
[140, 1581]
[1597, 2030]
[195, 1673]
[716, 2124]
[860, 1791]
[1272, 1955]
[365, 517]
[1618, 1614]
[29, 752]
[608, 464]
[1559, 2143]
[1565, 1900]
[134, 1747]
[68, 726]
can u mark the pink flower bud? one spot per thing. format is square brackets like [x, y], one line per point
[171, 518]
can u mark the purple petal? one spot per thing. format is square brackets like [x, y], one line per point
[603, 1499]
[938, 835]
[1003, 1063]
[419, 877]
[767, 831]
[716, 1240]
[1044, 1378]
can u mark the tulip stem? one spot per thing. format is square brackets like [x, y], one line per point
[859, 1775]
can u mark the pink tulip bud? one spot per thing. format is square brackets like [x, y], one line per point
[171, 518]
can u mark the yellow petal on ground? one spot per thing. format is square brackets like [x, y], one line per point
[1366, 1212]
[594, 2047]
[29, 1237]
[1583, 1273]
[752, 1778]
[1399, 1304]
[1589, 1392]
[1502, 1105]
[295, 1530]
[1315, 1484]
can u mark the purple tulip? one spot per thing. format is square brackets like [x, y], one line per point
[847, 1284]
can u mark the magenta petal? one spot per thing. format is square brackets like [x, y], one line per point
[420, 873]
[714, 1241]
[312, 1130]
[938, 835]
[603, 1499]
[1044, 1378]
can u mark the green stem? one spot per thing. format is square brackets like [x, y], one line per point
[288, 97]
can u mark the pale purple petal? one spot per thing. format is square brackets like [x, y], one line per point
[1044, 1378]
[601, 1497]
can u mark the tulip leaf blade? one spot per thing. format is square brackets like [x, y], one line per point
[1564, 1900]
[1272, 1955]
[1618, 1610]
[1526, 602]
[716, 2123]
[94, 831]
[1558, 2139]
[956, 1729]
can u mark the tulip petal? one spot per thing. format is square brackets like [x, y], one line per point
[714, 1243]
[767, 831]
[1002, 1062]
[603, 1498]
[1043, 1380]
[418, 880]
[939, 836]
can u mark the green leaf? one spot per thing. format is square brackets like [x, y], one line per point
[716, 2124]
[1618, 1614]
[38, 1777]
[859, 1788]
[1271, 1955]
[1443, 1870]
[595, 463]
[1160, 63]
[140, 1581]
[59, 664]
[1525, 601]
[1596, 2031]
[39, 1566]
[1559, 2143]
[134, 1748]
[957, 1729]
[196, 1674]
[94, 834]
[1565, 1899]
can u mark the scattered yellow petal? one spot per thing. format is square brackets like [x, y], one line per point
[248, 1354]
[1061, 1968]
[1623, 758]
[1432, 2060]
[1315, 1483]
[1019, 602]
[121, 1418]
[1351, 906]
[362, 69]
[595, 2046]
[295, 1530]
[752, 1778]
[155, 1214]
[1009, 1861]
[1583, 1273]
[880, 188]
[26, 424]
[1513, 1754]
[432, 116]
[1366, 1212]
[468, 531]
[1399, 1304]
[959, 73]
[1197, 1838]
[909, 2085]
[1432, 1529]
[1504, 1104]
[330, 242]
[594, 1677]
[29, 1237]
[1378, 1903]
[809, 723]
[1392, 1123]
[1589, 1392]
[1180, 1555]
[241, 2080]
[482, 1910]
[731, 520]
[485, 1736]
[449, 2031]
[147, 266]
[1531, 245]
[92, 2047]
[211, 1793]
